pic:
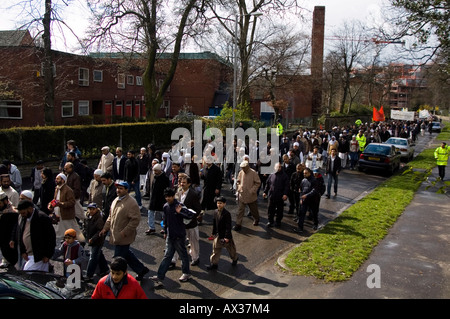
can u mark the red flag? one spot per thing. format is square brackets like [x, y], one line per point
[378, 116]
[381, 112]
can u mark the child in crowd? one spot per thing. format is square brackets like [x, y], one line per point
[222, 235]
[71, 250]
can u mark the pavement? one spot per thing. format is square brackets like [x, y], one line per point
[411, 262]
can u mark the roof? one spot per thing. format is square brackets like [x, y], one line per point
[206, 55]
[15, 38]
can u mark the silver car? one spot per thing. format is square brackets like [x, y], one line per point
[404, 146]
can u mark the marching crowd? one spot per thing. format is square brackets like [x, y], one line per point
[69, 212]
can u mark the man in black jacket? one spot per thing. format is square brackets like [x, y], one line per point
[333, 169]
[131, 175]
[191, 199]
[309, 200]
[35, 235]
[277, 190]
[109, 193]
[212, 184]
[159, 184]
[119, 164]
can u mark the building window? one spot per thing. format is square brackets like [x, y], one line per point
[11, 109]
[121, 81]
[53, 69]
[83, 77]
[67, 108]
[98, 76]
[83, 107]
[130, 79]
[161, 82]
[139, 80]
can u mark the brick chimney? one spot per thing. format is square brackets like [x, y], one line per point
[318, 33]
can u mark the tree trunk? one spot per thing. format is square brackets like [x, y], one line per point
[49, 88]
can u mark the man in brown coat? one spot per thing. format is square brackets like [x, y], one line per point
[63, 207]
[122, 222]
[247, 183]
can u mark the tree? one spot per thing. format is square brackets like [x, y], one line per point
[352, 44]
[243, 15]
[138, 26]
[425, 19]
[42, 23]
[279, 62]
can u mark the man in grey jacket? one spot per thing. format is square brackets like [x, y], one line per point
[122, 223]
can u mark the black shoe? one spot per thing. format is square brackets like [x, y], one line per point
[278, 224]
[328, 196]
[315, 227]
[237, 228]
[150, 231]
[212, 267]
[298, 231]
[269, 224]
[234, 263]
[140, 276]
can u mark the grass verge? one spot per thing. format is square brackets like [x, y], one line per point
[344, 244]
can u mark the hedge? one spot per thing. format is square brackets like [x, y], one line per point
[27, 144]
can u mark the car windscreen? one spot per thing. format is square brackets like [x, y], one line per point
[397, 141]
[377, 149]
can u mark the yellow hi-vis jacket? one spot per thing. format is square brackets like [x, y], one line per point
[279, 129]
[441, 155]
[362, 142]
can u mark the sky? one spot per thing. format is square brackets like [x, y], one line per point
[336, 13]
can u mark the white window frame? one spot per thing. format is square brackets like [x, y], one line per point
[80, 107]
[83, 77]
[139, 80]
[66, 104]
[4, 106]
[98, 72]
[121, 80]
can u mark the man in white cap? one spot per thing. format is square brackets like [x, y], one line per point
[106, 160]
[95, 189]
[248, 183]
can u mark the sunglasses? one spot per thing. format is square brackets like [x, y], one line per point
[68, 237]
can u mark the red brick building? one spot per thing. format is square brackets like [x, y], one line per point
[92, 89]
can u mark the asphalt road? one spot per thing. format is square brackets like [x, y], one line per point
[255, 244]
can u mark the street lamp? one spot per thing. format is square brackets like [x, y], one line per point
[253, 14]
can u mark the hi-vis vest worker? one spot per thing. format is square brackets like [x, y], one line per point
[441, 154]
[279, 129]
[361, 138]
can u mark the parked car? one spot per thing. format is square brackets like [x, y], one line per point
[404, 145]
[381, 157]
[18, 287]
[436, 127]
